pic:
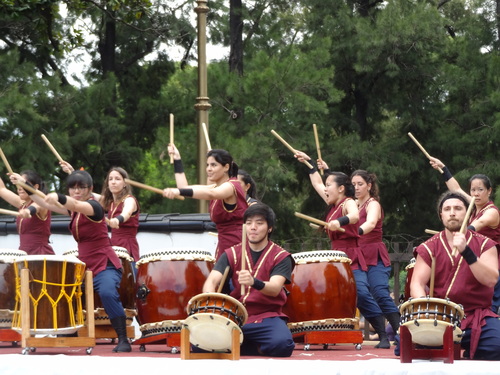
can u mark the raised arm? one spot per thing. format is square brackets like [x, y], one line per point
[314, 176]
[450, 181]
[180, 176]
[9, 196]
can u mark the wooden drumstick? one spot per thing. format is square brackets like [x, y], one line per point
[430, 231]
[316, 221]
[147, 187]
[223, 281]
[32, 190]
[315, 226]
[422, 148]
[243, 253]
[171, 136]
[9, 212]
[317, 146]
[54, 151]
[463, 228]
[289, 147]
[433, 276]
[6, 162]
[205, 131]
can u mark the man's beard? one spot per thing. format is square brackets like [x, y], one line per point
[453, 226]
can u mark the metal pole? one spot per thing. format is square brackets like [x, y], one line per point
[202, 105]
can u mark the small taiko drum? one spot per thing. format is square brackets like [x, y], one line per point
[55, 294]
[8, 285]
[166, 280]
[322, 292]
[126, 288]
[212, 318]
[409, 274]
[427, 318]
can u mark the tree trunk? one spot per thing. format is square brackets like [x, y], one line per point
[107, 46]
[236, 37]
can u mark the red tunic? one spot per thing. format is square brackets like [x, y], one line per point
[371, 244]
[34, 233]
[454, 280]
[259, 306]
[94, 245]
[494, 234]
[229, 223]
[126, 235]
[346, 241]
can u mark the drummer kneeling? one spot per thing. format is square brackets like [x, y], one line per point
[466, 278]
[268, 268]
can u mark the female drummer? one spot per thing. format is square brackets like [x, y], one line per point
[371, 217]
[485, 217]
[227, 197]
[90, 231]
[338, 193]
[249, 186]
[33, 222]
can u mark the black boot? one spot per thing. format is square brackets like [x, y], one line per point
[378, 324]
[394, 318]
[120, 326]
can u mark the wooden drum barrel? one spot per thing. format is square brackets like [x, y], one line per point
[8, 285]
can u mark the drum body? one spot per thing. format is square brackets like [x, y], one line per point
[8, 285]
[55, 293]
[166, 281]
[212, 317]
[427, 318]
[322, 287]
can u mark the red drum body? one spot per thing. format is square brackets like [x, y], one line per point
[8, 285]
[55, 294]
[322, 288]
[166, 281]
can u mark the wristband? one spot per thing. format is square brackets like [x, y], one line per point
[446, 173]
[61, 198]
[344, 220]
[312, 170]
[361, 231]
[120, 218]
[258, 284]
[469, 255]
[327, 171]
[178, 167]
[471, 227]
[186, 192]
[32, 210]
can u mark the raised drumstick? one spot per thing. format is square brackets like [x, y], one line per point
[9, 212]
[463, 228]
[316, 221]
[171, 136]
[52, 148]
[32, 190]
[430, 231]
[148, 187]
[317, 145]
[289, 147]
[6, 162]
[422, 148]
[205, 132]
[243, 253]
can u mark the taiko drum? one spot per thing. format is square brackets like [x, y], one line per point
[8, 285]
[322, 287]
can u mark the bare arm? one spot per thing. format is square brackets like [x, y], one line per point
[420, 278]
[350, 210]
[316, 180]
[490, 218]
[452, 184]
[129, 207]
[180, 178]
[9, 196]
[271, 288]
[224, 192]
[373, 214]
[212, 282]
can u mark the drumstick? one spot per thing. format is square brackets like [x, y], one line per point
[243, 253]
[422, 149]
[6, 162]
[430, 231]
[205, 131]
[223, 281]
[171, 136]
[463, 228]
[9, 212]
[54, 151]
[314, 226]
[147, 187]
[317, 146]
[316, 221]
[289, 147]
[433, 274]
[32, 190]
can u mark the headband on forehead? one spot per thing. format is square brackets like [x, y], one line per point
[449, 195]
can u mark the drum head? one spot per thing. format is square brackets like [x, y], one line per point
[430, 332]
[211, 332]
[320, 256]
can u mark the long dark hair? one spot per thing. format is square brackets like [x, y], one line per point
[370, 178]
[223, 157]
[247, 179]
[341, 179]
[34, 179]
[106, 195]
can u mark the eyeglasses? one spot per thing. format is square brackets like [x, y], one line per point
[79, 187]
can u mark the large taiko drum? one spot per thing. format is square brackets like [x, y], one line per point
[55, 294]
[427, 318]
[8, 285]
[211, 320]
[166, 281]
[409, 274]
[322, 292]
[126, 288]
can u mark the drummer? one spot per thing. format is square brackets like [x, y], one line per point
[269, 267]
[466, 278]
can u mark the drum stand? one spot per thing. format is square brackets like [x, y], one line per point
[7, 334]
[31, 343]
[171, 339]
[447, 353]
[187, 354]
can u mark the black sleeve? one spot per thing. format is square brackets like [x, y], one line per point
[284, 268]
[98, 210]
[221, 264]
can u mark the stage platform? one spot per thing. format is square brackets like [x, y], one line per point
[158, 359]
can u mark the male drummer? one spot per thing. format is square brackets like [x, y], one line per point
[267, 268]
[465, 276]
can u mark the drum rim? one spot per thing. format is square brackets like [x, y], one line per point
[325, 251]
[176, 254]
[50, 257]
[224, 296]
[455, 305]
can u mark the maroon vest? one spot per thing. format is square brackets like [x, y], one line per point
[371, 243]
[34, 233]
[494, 234]
[126, 235]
